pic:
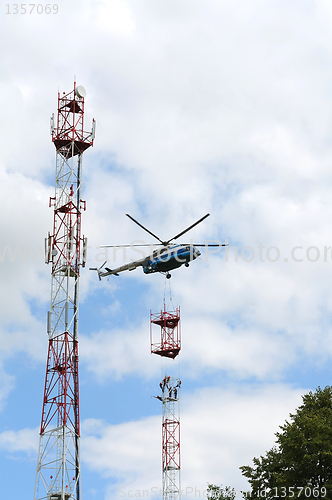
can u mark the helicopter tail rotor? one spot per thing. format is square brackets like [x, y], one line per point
[98, 269]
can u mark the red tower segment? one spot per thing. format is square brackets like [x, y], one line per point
[171, 444]
[61, 399]
[170, 336]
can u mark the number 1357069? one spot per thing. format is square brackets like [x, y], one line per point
[293, 492]
[31, 8]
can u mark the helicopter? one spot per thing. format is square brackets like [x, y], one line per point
[163, 260]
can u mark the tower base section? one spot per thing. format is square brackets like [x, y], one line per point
[58, 471]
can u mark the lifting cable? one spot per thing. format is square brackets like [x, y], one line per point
[170, 303]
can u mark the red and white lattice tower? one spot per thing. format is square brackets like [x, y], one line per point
[169, 342]
[168, 346]
[58, 467]
[170, 388]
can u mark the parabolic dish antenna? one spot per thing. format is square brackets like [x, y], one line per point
[80, 91]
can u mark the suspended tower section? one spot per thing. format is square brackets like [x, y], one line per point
[169, 342]
[170, 388]
[58, 467]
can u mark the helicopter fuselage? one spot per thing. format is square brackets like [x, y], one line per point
[166, 259]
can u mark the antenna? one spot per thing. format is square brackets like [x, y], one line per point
[80, 91]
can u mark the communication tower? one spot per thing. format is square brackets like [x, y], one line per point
[58, 467]
[168, 346]
[170, 389]
[170, 337]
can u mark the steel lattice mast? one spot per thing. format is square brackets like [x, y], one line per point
[58, 467]
[169, 346]
[170, 388]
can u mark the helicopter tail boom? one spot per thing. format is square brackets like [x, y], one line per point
[110, 271]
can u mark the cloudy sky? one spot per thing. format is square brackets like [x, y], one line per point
[214, 106]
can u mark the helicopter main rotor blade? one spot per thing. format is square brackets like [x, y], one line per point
[147, 230]
[129, 246]
[209, 244]
[188, 228]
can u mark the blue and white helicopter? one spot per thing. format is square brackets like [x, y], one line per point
[162, 260]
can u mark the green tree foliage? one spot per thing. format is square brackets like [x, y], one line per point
[219, 493]
[300, 465]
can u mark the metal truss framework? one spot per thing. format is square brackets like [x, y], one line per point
[58, 467]
[170, 336]
[170, 388]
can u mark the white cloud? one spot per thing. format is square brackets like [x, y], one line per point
[7, 383]
[115, 16]
[119, 352]
[23, 440]
[24, 277]
[117, 449]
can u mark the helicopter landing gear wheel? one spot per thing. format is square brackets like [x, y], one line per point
[187, 264]
[168, 276]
